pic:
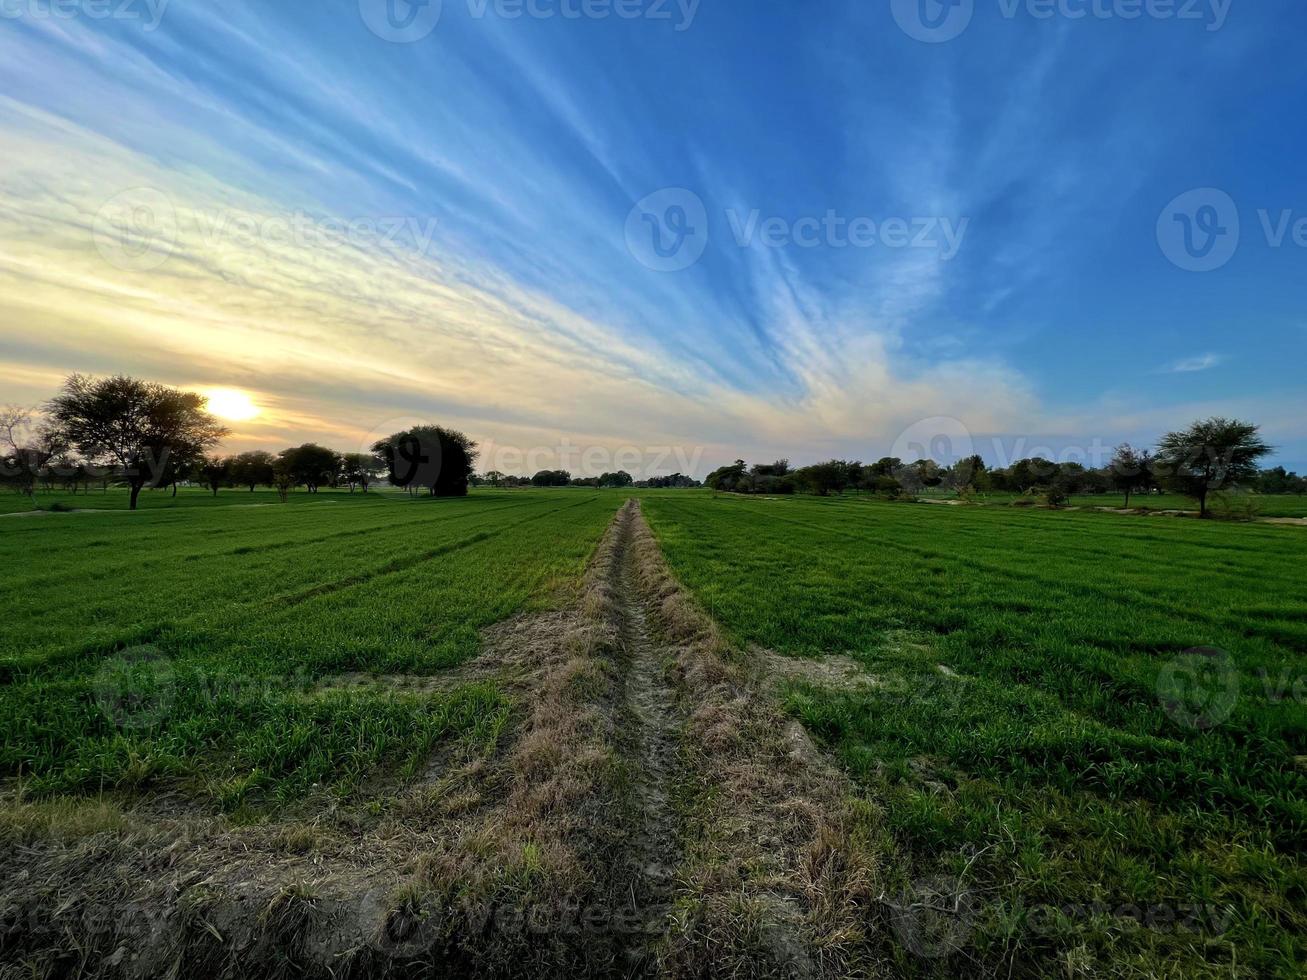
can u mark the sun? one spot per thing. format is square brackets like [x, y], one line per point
[232, 405]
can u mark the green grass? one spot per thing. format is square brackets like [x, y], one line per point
[176, 644]
[1235, 504]
[1048, 774]
[117, 499]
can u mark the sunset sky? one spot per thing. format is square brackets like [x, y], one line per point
[356, 232]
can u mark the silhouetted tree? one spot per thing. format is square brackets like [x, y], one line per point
[440, 459]
[252, 469]
[360, 469]
[311, 465]
[215, 471]
[138, 427]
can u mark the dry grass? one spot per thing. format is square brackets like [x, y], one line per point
[783, 875]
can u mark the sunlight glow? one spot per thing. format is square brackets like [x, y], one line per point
[234, 406]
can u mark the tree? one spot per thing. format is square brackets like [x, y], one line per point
[779, 468]
[283, 481]
[24, 457]
[494, 478]
[1026, 474]
[139, 427]
[969, 473]
[834, 476]
[360, 469]
[215, 472]
[1209, 456]
[619, 479]
[1131, 470]
[885, 466]
[430, 456]
[728, 479]
[551, 478]
[311, 465]
[252, 469]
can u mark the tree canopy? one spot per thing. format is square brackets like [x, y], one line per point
[141, 428]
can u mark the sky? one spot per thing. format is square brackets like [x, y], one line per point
[662, 234]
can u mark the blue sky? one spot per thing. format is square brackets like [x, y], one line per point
[1009, 183]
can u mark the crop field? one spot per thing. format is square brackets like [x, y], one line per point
[219, 617]
[1022, 707]
[1239, 505]
[1040, 742]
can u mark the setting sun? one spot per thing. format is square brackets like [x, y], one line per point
[235, 406]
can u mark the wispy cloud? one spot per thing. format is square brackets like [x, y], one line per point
[1188, 365]
[522, 317]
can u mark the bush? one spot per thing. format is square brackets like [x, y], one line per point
[1055, 496]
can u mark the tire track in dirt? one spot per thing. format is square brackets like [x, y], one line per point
[652, 747]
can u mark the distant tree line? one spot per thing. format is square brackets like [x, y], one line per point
[1209, 456]
[140, 434]
[562, 478]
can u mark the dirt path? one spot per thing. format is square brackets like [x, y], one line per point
[651, 746]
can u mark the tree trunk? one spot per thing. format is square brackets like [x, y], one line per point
[136, 492]
[1127, 500]
[174, 488]
[1202, 504]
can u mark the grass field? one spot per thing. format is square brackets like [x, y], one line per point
[1235, 504]
[1022, 737]
[1011, 726]
[176, 644]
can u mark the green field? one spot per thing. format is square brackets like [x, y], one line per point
[174, 645]
[1222, 504]
[1014, 713]
[1013, 732]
